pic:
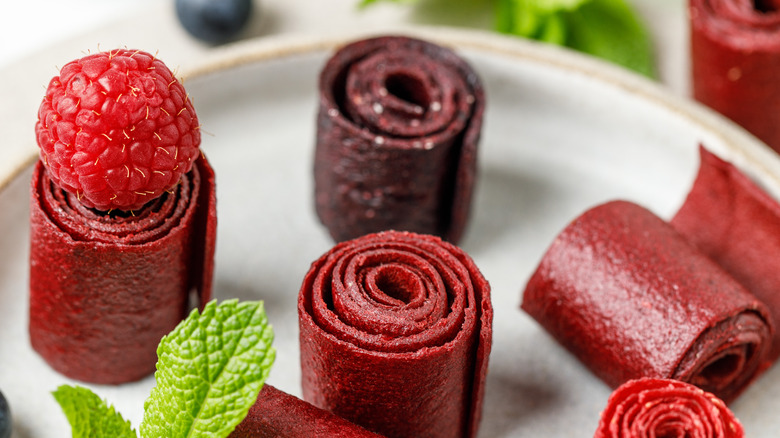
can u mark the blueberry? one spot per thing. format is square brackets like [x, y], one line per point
[214, 21]
[5, 418]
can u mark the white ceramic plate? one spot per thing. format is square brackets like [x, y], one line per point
[562, 133]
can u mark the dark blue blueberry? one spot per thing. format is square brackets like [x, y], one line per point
[214, 21]
[5, 418]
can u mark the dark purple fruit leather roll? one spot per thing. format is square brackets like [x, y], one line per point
[397, 132]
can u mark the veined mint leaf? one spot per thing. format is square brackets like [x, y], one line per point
[210, 370]
[90, 416]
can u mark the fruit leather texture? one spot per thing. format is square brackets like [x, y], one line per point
[277, 414]
[631, 298]
[735, 60]
[104, 290]
[397, 132]
[395, 333]
[648, 407]
[737, 224]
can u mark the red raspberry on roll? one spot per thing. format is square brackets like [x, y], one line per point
[116, 129]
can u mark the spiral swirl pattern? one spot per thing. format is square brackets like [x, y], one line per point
[397, 131]
[647, 408]
[151, 222]
[754, 20]
[395, 333]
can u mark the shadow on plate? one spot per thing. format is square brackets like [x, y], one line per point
[505, 200]
[510, 402]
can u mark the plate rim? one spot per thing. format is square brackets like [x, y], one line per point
[742, 148]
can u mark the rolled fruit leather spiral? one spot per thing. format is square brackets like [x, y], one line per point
[735, 59]
[630, 298]
[647, 408]
[397, 132]
[278, 414]
[735, 222]
[395, 333]
[104, 289]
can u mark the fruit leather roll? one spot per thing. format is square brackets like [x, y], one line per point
[105, 288]
[735, 59]
[737, 224]
[278, 414]
[395, 332]
[397, 131]
[631, 298]
[646, 408]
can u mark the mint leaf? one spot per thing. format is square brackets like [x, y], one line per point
[556, 5]
[619, 36]
[210, 370]
[90, 416]
[608, 29]
[364, 3]
[543, 20]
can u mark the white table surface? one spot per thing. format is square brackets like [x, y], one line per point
[37, 28]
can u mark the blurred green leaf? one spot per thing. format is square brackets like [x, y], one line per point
[608, 29]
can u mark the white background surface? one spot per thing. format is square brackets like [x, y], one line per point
[33, 25]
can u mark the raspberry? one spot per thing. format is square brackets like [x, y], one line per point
[117, 129]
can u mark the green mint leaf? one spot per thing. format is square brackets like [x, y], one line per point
[543, 20]
[90, 416]
[619, 36]
[365, 3]
[210, 370]
[556, 5]
[608, 29]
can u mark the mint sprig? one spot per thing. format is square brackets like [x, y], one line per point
[209, 372]
[210, 369]
[608, 29]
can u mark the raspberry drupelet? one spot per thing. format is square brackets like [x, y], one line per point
[117, 129]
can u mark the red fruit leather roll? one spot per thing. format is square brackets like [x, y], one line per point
[397, 132]
[104, 290]
[277, 414]
[395, 332]
[737, 224]
[649, 408]
[631, 298]
[735, 60]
